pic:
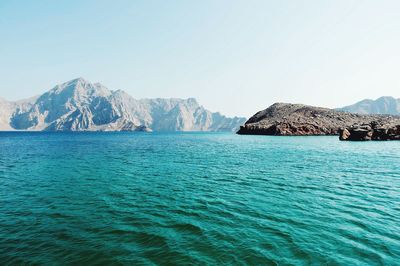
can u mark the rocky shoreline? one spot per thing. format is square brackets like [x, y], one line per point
[372, 131]
[285, 119]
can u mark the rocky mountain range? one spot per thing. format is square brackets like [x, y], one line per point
[299, 119]
[79, 105]
[382, 105]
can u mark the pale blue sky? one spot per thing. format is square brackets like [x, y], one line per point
[236, 57]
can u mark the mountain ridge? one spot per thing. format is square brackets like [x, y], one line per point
[79, 105]
[382, 105]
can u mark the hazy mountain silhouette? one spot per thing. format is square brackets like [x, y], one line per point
[382, 105]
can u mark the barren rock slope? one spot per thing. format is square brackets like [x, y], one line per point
[298, 119]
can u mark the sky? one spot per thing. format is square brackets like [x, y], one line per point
[235, 57]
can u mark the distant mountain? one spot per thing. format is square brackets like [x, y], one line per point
[6, 110]
[79, 105]
[301, 120]
[382, 105]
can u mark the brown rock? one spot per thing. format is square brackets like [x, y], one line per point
[372, 132]
[300, 120]
[344, 134]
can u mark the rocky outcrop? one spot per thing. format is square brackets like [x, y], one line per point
[373, 131]
[79, 105]
[302, 120]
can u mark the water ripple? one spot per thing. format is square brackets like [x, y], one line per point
[201, 199]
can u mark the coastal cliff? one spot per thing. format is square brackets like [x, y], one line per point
[287, 119]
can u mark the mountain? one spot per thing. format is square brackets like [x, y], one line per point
[299, 119]
[79, 105]
[382, 105]
[6, 109]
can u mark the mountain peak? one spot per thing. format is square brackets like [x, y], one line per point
[79, 104]
[382, 105]
[386, 98]
[78, 80]
[80, 86]
[192, 101]
[81, 82]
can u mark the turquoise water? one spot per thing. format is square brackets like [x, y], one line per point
[197, 198]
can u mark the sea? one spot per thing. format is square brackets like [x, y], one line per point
[197, 199]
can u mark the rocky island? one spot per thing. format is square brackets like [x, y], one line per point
[287, 119]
